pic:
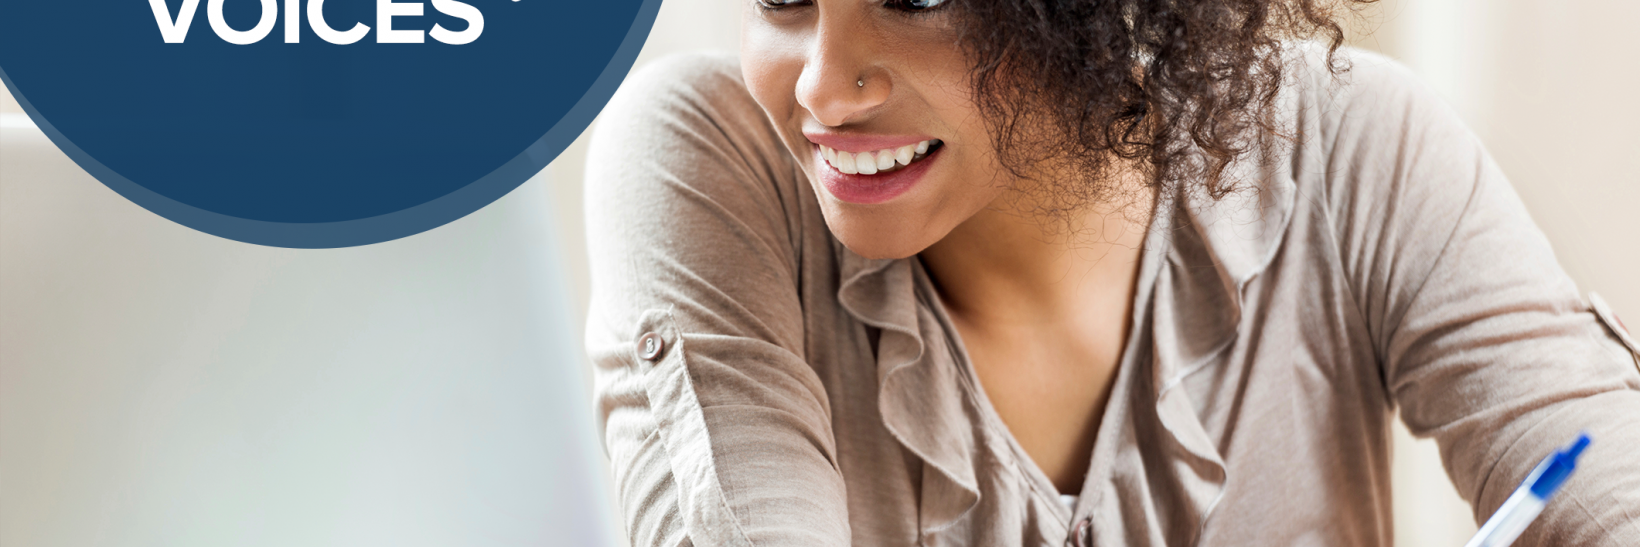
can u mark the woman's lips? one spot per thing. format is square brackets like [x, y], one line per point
[876, 188]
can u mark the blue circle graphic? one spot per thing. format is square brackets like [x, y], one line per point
[316, 123]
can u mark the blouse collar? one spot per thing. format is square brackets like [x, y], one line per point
[1206, 251]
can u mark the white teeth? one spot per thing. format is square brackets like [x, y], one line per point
[873, 162]
[845, 163]
[903, 154]
[866, 163]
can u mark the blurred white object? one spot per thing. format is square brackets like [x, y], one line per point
[160, 386]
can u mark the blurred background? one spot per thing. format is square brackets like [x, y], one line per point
[161, 386]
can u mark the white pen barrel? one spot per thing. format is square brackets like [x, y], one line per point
[1509, 521]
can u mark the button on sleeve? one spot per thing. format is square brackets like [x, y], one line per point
[651, 346]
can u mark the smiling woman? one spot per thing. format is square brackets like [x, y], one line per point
[1112, 273]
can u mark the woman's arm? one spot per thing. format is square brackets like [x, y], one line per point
[722, 435]
[1485, 343]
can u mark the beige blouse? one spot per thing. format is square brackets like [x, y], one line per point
[760, 384]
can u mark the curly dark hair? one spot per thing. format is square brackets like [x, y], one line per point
[1182, 86]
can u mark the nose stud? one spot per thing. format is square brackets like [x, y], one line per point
[859, 83]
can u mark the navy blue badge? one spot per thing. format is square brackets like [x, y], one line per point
[316, 123]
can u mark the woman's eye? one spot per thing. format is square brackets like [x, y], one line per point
[914, 5]
[777, 4]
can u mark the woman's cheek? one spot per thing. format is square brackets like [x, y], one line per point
[759, 75]
[770, 65]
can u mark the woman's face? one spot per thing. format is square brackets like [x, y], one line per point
[872, 98]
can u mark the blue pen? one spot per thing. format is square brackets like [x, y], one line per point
[1524, 505]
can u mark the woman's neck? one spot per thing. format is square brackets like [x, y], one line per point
[1003, 266]
[1043, 310]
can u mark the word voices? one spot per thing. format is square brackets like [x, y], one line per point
[175, 31]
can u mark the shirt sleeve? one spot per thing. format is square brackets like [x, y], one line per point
[718, 431]
[1485, 343]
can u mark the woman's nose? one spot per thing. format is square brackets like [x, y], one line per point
[839, 83]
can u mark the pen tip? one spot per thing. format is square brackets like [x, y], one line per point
[1577, 446]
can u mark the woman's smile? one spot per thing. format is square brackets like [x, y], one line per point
[871, 169]
[872, 162]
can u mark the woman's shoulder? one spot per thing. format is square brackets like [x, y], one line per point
[700, 81]
[1368, 127]
[689, 107]
[685, 125]
[1384, 169]
[1346, 72]
[1350, 94]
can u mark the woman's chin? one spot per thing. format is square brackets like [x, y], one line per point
[877, 250]
[881, 236]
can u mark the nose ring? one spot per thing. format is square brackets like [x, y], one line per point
[859, 83]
